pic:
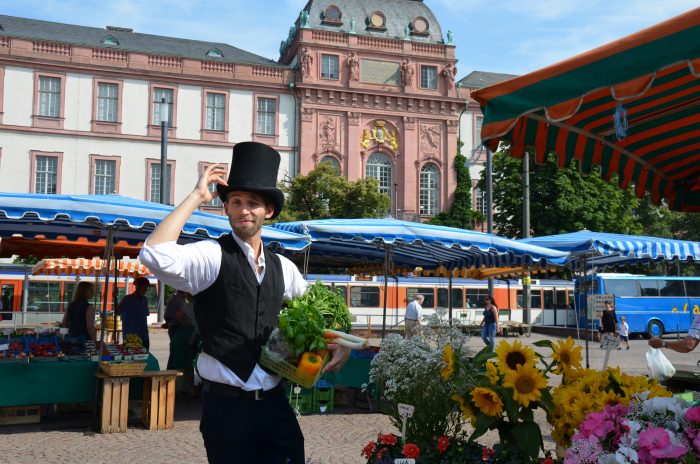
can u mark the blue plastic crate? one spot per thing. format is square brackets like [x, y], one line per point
[323, 384]
[363, 354]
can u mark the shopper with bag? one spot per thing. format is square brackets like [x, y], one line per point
[685, 345]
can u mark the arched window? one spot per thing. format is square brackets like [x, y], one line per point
[429, 190]
[333, 162]
[379, 167]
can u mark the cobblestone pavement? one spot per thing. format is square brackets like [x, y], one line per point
[330, 438]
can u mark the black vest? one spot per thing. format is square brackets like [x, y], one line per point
[235, 315]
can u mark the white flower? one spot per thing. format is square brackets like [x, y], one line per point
[625, 455]
[608, 458]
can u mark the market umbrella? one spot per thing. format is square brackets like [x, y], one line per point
[78, 247]
[631, 107]
[90, 267]
[413, 244]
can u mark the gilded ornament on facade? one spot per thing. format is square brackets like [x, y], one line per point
[380, 135]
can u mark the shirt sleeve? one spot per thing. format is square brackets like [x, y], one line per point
[193, 267]
[294, 283]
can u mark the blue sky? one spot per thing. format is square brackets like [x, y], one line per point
[507, 36]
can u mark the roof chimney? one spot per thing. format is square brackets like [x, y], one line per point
[120, 29]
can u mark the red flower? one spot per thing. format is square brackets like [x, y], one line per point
[411, 451]
[369, 449]
[388, 439]
[443, 444]
[547, 460]
[486, 453]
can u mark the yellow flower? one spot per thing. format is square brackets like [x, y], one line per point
[512, 356]
[448, 359]
[487, 401]
[467, 411]
[492, 373]
[567, 355]
[526, 382]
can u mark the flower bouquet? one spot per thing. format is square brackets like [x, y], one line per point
[653, 431]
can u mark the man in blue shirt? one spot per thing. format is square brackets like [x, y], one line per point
[133, 310]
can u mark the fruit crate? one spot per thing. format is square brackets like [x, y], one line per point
[16, 351]
[20, 415]
[301, 399]
[324, 397]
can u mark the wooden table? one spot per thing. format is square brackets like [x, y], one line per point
[157, 403]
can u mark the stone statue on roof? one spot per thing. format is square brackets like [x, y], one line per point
[449, 37]
[352, 26]
[304, 19]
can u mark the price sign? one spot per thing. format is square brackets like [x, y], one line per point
[406, 410]
[404, 461]
[6, 331]
[610, 342]
[595, 304]
[4, 346]
[527, 280]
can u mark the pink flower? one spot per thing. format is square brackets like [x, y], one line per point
[693, 414]
[655, 443]
[696, 443]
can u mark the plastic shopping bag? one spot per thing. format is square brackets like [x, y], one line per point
[659, 366]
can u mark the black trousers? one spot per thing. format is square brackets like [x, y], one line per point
[244, 430]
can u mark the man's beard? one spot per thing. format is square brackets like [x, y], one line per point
[246, 232]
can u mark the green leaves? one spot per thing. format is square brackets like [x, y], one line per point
[528, 438]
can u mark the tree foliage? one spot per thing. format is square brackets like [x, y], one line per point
[461, 214]
[323, 194]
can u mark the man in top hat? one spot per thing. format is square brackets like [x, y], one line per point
[238, 289]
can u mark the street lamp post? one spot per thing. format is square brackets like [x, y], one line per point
[164, 121]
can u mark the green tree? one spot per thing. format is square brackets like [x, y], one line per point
[461, 214]
[323, 194]
[561, 200]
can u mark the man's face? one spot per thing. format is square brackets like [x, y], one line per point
[142, 289]
[247, 212]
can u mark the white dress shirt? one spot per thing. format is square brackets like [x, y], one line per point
[195, 267]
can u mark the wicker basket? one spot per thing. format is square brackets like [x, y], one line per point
[122, 369]
[289, 371]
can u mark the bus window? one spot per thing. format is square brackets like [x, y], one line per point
[476, 296]
[560, 300]
[548, 299]
[671, 288]
[649, 287]
[429, 298]
[693, 288]
[622, 287]
[7, 299]
[343, 291]
[44, 296]
[364, 297]
[535, 299]
[457, 298]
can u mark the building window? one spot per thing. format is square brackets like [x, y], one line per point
[379, 167]
[332, 16]
[215, 53]
[429, 190]
[154, 183]
[49, 96]
[266, 116]
[480, 201]
[420, 26]
[216, 112]
[158, 95]
[333, 162]
[46, 170]
[105, 177]
[428, 77]
[107, 102]
[109, 40]
[329, 67]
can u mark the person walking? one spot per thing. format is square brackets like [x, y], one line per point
[608, 320]
[414, 313]
[133, 310]
[624, 333]
[489, 323]
[238, 288]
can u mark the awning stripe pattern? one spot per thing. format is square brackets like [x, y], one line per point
[89, 267]
[569, 109]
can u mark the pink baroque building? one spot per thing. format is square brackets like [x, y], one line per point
[375, 83]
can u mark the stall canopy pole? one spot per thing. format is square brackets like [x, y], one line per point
[114, 300]
[108, 258]
[449, 297]
[387, 258]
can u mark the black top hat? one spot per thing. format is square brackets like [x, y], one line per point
[254, 169]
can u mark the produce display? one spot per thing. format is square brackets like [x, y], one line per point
[297, 349]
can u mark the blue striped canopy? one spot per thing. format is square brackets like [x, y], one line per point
[88, 216]
[603, 249]
[412, 244]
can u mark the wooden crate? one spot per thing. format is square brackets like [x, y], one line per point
[114, 403]
[20, 415]
[158, 406]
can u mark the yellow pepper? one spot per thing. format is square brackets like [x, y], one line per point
[310, 363]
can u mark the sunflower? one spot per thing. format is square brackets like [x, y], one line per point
[468, 412]
[487, 401]
[448, 359]
[492, 373]
[512, 356]
[567, 355]
[526, 382]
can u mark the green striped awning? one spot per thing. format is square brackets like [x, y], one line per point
[649, 82]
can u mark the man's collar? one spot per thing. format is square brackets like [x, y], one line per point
[245, 246]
